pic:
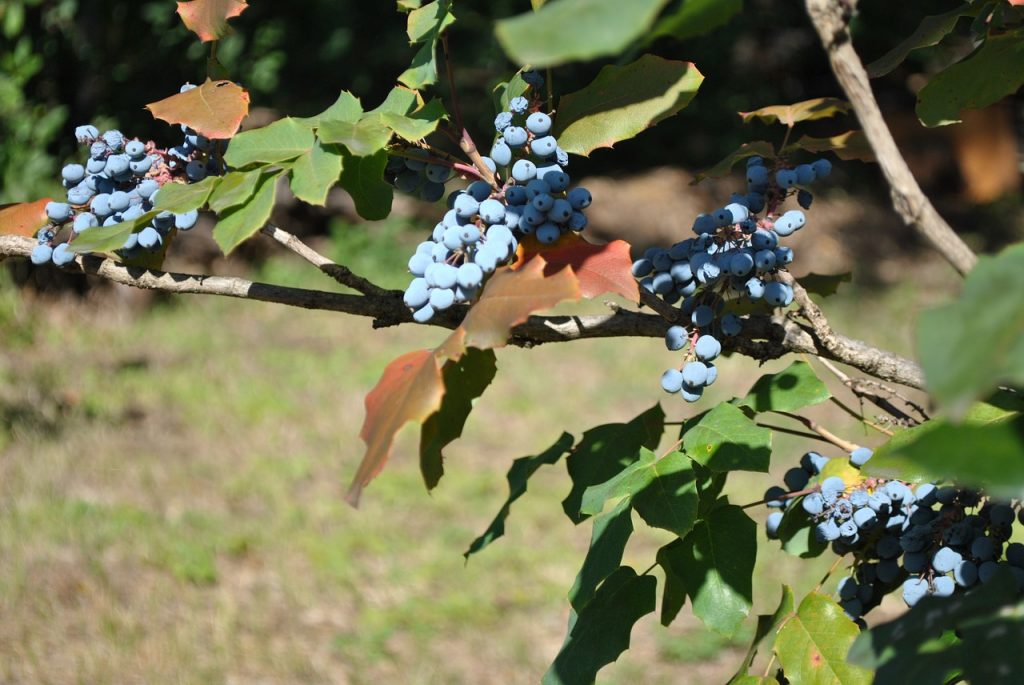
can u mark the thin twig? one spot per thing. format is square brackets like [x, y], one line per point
[878, 394]
[342, 274]
[787, 495]
[860, 417]
[830, 19]
[461, 167]
[456, 109]
[825, 433]
[828, 573]
[792, 431]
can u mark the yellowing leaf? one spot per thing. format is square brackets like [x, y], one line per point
[25, 218]
[215, 109]
[808, 110]
[208, 19]
[847, 146]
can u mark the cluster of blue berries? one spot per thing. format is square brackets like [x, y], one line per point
[119, 182]
[921, 540]
[414, 173]
[734, 256]
[485, 223]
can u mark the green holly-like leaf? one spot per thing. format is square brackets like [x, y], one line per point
[505, 91]
[418, 124]
[611, 532]
[930, 31]
[363, 178]
[716, 564]
[518, 475]
[464, 382]
[725, 439]
[237, 224]
[600, 633]
[973, 344]
[672, 559]
[109, 238]
[314, 173]
[346, 108]
[424, 28]
[767, 626]
[793, 388]
[994, 71]
[825, 285]
[362, 138]
[623, 101]
[847, 146]
[663, 491]
[921, 646]
[796, 533]
[757, 148]
[184, 197]
[599, 27]
[790, 115]
[695, 18]
[234, 189]
[813, 643]
[606, 450]
[940, 450]
[282, 140]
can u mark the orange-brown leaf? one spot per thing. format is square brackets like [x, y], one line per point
[25, 218]
[510, 296]
[215, 109]
[208, 19]
[410, 389]
[600, 268]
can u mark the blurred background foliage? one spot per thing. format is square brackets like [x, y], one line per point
[66, 62]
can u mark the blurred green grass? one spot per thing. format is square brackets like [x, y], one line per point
[172, 486]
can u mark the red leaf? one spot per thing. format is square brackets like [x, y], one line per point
[214, 109]
[509, 298]
[208, 19]
[412, 386]
[410, 389]
[25, 218]
[600, 268]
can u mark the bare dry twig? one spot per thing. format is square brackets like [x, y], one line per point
[830, 19]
